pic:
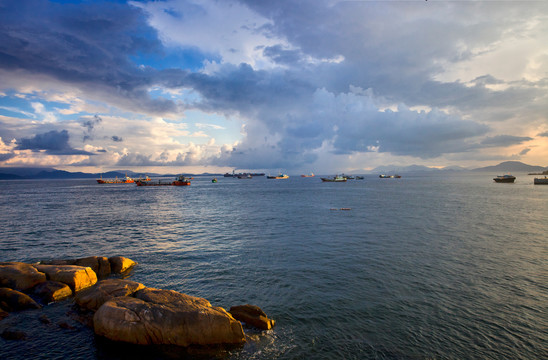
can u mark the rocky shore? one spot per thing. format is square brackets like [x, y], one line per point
[119, 309]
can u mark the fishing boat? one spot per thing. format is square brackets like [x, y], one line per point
[336, 178]
[505, 178]
[125, 180]
[309, 175]
[382, 176]
[541, 181]
[181, 180]
[279, 176]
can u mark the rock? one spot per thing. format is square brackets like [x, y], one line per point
[252, 315]
[9, 334]
[99, 264]
[120, 264]
[50, 291]
[92, 298]
[3, 314]
[166, 317]
[19, 276]
[44, 319]
[77, 277]
[13, 300]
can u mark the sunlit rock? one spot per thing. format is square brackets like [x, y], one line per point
[50, 291]
[19, 276]
[92, 298]
[99, 264]
[120, 264]
[77, 277]
[166, 317]
[253, 316]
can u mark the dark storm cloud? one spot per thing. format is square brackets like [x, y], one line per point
[544, 134]
[87, 45]
[53, 142]
[116, 138]
[504, 140]
[89, 124]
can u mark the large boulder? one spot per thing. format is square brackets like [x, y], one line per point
[77, 277]
[19, 276]
[166, 317]
[50, 291]
[13, 300]
[120, 264]
[252, 315]
[99, 264]
[92, 298]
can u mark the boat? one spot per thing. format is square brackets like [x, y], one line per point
[505, 178]
[181, 180]
[541, 181]
[336, 178]
[233, 175]
[359, 177]
[279, 176]
[245, 176]
[125, 180]
[309, 175]
[390, 176]
[146, 178]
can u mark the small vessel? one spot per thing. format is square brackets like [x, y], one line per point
[125, 180]
[309, 175]
[336, 178]
[359, 177]
[180, 180]
[390, 176]
[541, 181]
[505, 178]
[279, 176]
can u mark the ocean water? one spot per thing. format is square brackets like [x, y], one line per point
[442, 266]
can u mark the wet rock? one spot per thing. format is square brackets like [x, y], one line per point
[253, 316]
[166, 317]
[3, 314]
[9, 334]
[19, 276]
[44, 319]
[92, 298]
[77, 277]
[65, 325]
[50, 291]
[99, 264]
[13, 300]
[120, 264]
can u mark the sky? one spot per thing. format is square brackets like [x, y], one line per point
[302, 86]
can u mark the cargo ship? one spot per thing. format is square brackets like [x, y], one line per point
[181, 180]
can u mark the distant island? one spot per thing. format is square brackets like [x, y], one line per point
[21, 173]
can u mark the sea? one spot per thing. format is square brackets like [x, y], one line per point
[447, 265]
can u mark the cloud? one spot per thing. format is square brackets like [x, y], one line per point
[504, 140]
[116, 138]
[87, 45]
[544, 134]
[89, 124]
[52, 142]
